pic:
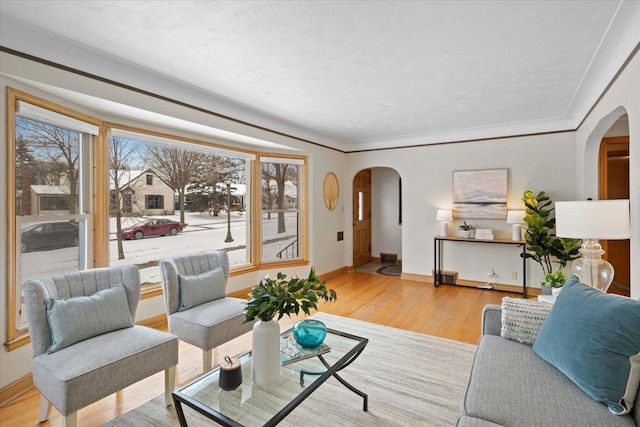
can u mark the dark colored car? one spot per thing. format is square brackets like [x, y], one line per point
[152, 227]
[50, 235]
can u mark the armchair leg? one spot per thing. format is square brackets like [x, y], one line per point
[70, 420]
[206, 360]
[45, 409]
[169, 384]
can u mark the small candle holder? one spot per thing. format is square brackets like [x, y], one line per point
[230, 376]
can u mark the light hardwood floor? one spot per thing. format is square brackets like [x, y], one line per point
[447, 311]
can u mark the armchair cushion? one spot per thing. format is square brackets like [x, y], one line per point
[594, 339]
[89, 370]
[76, 319]
[200, 288]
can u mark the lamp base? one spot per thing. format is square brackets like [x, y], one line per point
[515, 232]
[591, 268]
[444, 228]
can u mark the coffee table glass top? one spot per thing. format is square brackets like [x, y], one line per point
[253, 405]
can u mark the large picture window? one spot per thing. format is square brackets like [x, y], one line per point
[281, 214]
[159, 184]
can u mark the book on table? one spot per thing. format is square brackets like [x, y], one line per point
[484, 234]
[291, 351]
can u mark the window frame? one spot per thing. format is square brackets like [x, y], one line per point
[98, 225]
[16, 336]
[302, 210]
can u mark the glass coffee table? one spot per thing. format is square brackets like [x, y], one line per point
[253, 405]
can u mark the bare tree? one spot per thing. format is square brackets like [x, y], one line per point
[176, 166]
[268, 193]
[121, 154]
[56, 149]
[280, 173]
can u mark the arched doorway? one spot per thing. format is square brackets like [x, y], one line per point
[377, 216]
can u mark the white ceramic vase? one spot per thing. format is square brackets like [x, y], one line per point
[265, 354]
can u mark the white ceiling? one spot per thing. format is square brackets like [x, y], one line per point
[351, 75]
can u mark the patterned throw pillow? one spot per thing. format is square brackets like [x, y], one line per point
[522, 319]
[80, 318]
[201, 288]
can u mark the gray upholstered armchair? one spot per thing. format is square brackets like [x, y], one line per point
[85, 343]
[199, 311]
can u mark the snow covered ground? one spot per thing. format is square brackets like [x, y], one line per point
[202, 233]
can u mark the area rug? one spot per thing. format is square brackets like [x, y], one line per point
[390, 270]
[411, 379]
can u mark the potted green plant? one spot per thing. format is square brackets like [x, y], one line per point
[543, 246]
[466, 229]
[279, 297]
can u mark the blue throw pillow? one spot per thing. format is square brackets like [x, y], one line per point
[201, 288]
[594, 339]
[79, 318]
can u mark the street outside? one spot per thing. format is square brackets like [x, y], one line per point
[202, 233]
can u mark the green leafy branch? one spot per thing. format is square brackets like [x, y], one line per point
[543, 246]
[281, 296]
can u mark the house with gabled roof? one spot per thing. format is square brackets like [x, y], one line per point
[143, 193]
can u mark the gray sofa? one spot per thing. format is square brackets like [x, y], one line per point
[511, 386]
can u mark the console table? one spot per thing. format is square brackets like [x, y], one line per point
[437, 255]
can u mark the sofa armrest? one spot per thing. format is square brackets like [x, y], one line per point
[491, 319]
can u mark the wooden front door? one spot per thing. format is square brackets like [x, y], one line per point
[362, 218]
[614, 184]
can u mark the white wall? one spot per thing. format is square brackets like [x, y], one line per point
[545, 162]
[325, 252]
[622, 97]
[386, 233]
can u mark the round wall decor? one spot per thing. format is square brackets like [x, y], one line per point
[331, 191]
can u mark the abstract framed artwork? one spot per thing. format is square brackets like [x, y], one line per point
[480, 194]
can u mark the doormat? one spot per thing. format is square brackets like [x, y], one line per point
[390, 270]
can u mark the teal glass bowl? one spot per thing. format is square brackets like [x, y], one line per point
[309, 333]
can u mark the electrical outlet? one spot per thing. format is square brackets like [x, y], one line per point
[514, 275]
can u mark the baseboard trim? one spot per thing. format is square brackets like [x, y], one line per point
[531, 292]
[15, 389]
[417, 277]
[155, 322]
[335, 273]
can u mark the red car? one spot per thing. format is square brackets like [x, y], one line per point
[152, 227]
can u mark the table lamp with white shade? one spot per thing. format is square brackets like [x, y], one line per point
[592, 220]
[516, 219]
[444, 217]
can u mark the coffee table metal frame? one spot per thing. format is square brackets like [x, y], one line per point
[180, 398]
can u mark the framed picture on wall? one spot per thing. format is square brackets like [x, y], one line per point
[480, 194]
